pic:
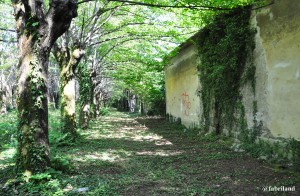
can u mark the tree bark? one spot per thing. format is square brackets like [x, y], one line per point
[3, 101]
[94, 95]
[3, 94]
[96, 103]
[37, 32]
[68, 113]
[68, 61]
[84, 115]
[67, 80]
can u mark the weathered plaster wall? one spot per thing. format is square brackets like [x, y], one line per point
[182, 84]
[277, 60]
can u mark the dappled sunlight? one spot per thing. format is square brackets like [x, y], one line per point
[163, 153]
[116, 119]
[163, 142]
[143, 156]
[127, 129]
[109, 156]
[9, 153]
[158, 140]
[5, 155]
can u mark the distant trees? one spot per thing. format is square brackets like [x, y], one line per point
[7, 89]
[8, 62]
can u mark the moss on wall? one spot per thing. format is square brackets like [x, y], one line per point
[224, 48]
[226, 52]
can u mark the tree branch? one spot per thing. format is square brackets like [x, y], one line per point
[10, 30]
[103, 22]
[171, 6]
[59, 9]
[199, 7]
[116, 45]
[84, 1]
[8, 41]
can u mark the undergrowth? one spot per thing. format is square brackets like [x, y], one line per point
[124, 154]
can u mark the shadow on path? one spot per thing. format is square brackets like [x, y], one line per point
[129, 155]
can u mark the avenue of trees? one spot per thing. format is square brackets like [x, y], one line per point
[70, 54]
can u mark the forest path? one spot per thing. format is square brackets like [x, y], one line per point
[123, 154]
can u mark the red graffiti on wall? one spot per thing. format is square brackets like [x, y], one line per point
[186, 104]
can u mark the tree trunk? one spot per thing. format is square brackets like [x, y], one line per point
[37, 31]
[94, 95]
[12, 97]
[68, 113]
[3, 101]
[217, 118]
[56, 100]
[68, 62]
[84, 115]
[3, 93]
[33, 150]
[96, 105]
[143, 111]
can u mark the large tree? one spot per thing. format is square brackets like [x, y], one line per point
[69, 53]
[68, 59]
[38, 28]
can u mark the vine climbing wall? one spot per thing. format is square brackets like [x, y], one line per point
[240, 76]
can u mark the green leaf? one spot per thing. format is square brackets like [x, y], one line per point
[35, 24]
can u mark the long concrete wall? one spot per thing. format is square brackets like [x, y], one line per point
[277, 61]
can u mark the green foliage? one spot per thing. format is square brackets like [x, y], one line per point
[35, 157]
[104, 111]
[225, 50]
[62, 164]
[283, 151]
[144, 79]
[36, 83]
[158, 105]
[225, 46]
[8, 130]
[31, 27]
[85, 83]
[36, 160]
[40, 177]
[38, 184]
[171, 55]
[294, 146]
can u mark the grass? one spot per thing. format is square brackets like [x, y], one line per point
[125, 154]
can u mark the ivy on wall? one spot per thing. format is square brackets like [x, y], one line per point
[225, 47]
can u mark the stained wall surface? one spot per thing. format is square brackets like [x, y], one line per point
[277, 61]
[182, 84]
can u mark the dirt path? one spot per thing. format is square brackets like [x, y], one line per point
[126, 155]
[123, 154]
